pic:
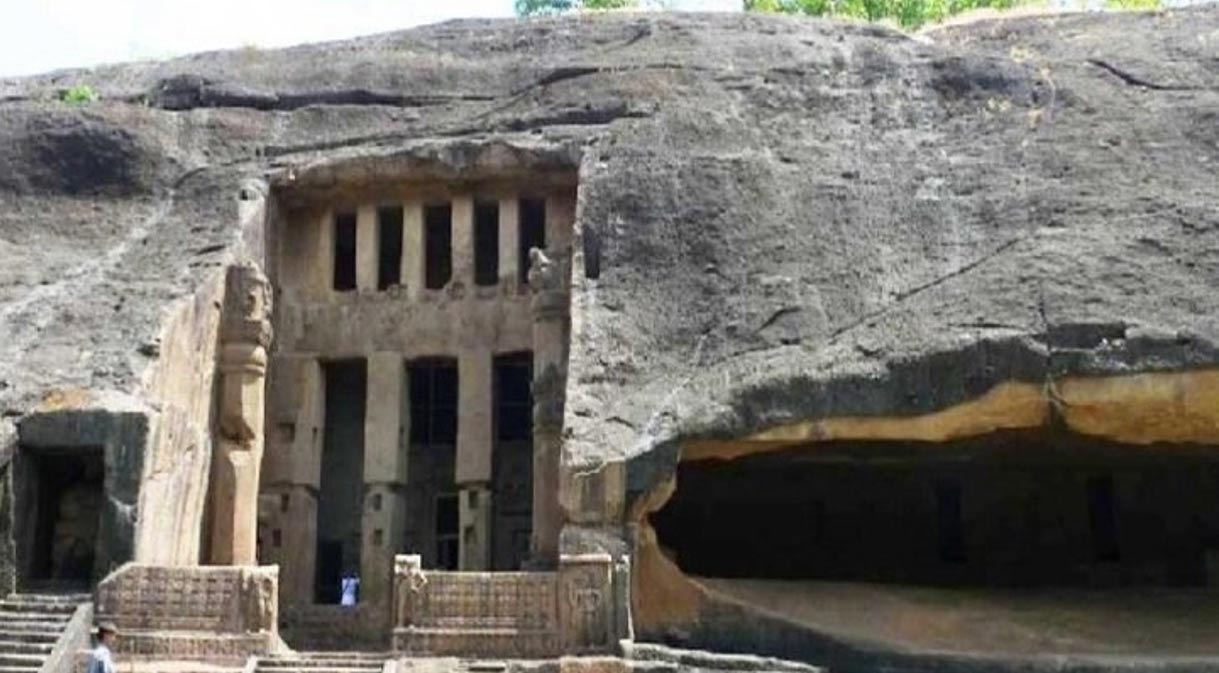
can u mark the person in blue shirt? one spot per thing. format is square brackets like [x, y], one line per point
[349, 593]
[100, 659]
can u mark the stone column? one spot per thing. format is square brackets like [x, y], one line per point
[509, 239]
[385, 464]
[474, 442]
[560, 218]
[474, 547]
[550, 306]
[463, 241]
[291, 542]
[367, 242]
[245, 334]
[412, 248]
[291, 472]
[322, 271]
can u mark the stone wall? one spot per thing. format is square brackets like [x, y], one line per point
[218, 613]
[180, 384]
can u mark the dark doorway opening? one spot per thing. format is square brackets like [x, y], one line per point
[344, 252]
[389, 247]
[531, 233]
[438, 245]
[341, 496]
[65, 490]
[486, 242]
[1011, 509]
[432, 506]
[448, 520]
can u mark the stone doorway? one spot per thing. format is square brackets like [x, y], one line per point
[63, 496]
[341, 495]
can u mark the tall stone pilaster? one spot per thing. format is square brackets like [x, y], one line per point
[551, 308]
[367, 245]
[474, 507]
[463, 240]
[413, 262]
[509, 239]
[245, 334]
[474, 446]
[385, 476]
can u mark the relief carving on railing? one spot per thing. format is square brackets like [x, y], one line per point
[408, 583]
[191, 611]
[586, 582]
[524, 614]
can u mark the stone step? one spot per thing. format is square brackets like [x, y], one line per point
[330, 668]
[19, 602]
[29, 633]
[485, 666]
[36, 609]
[34, 616]
[34, 638]
[321, 664]
[25, 646]
[30, 636]
[23, 601]
[336, 654]
[20, 669]
[27, 625]
[328, 662]
[12, 659]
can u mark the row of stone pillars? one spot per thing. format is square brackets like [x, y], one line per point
[245, 337]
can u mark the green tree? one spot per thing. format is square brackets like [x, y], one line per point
[78, 95]
[1135, 5]
[906, 13]
[542, 7]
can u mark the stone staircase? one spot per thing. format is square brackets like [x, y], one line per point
[323, 662]
[30, 625]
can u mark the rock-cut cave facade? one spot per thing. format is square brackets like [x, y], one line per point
[621, 341]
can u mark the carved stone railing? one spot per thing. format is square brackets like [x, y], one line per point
[73, 640]
[573, 610]
[218, 613]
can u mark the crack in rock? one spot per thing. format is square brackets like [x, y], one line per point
[1135, 80]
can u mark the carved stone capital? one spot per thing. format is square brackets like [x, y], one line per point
[247, 306]
[243, 357]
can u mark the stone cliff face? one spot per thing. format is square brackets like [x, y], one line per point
[781, 220]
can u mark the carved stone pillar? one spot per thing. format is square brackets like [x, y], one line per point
[550, 306]
[245, 334]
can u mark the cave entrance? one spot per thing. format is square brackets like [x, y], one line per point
[1012, 509]
[63, 498]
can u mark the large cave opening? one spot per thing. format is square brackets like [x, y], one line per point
[1011, 509]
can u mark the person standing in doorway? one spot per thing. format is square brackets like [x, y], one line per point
[100, 659]
[349, 593]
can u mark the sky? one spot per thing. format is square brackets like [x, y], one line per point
[41, 35]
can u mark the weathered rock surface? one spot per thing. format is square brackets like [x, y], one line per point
[794, 218]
